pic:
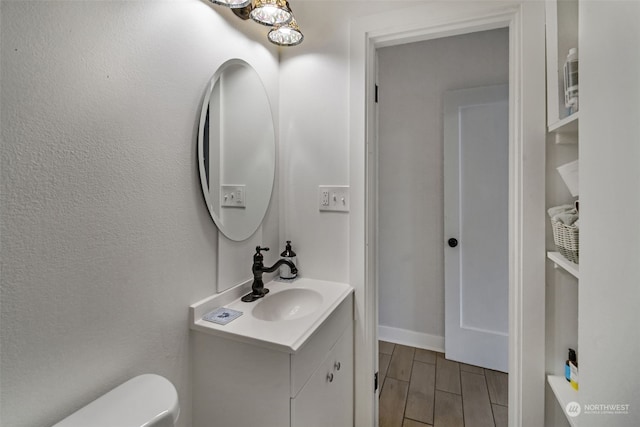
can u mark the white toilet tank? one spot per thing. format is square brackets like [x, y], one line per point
[147, 400]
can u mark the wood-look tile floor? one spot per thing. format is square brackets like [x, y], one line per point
[421, 388]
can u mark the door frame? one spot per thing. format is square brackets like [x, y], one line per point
[525, 21]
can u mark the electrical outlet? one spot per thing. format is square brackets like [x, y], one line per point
[334, 198]
[324, 197]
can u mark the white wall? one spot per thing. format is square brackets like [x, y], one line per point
[610, 208]
[106, 239]
[412, 80]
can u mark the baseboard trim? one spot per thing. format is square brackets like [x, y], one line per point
[411, 338]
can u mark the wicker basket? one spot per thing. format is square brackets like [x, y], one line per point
[567, 240]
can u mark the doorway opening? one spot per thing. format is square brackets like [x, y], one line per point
[442, 144]
[526, 187]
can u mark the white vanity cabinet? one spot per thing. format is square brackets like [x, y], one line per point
[325, 400]
[249, 384]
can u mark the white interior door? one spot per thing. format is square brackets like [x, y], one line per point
[476, 184]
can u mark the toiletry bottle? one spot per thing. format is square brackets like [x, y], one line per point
[289, 255]
[567, 367]
[571, 81]
[573, 368]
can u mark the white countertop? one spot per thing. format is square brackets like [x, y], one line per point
[283, 335]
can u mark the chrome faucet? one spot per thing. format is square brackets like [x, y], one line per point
[257, 288]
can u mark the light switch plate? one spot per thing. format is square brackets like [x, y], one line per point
[233, 196]
[333, 198]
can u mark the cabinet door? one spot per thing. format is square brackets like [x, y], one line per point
[341, 393]
[327, 398]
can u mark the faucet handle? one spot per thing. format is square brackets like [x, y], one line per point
[257, 257]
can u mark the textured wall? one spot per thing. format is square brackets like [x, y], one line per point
[413, 78]
[105, 237]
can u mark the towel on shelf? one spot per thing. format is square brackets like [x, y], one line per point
[559, 209]
[566, 214]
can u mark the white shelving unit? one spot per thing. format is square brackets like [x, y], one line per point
[564, 263]
[567, 125]
[565, 394]
[566, 130]
[562, 18]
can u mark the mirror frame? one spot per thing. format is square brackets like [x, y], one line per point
[234, 235]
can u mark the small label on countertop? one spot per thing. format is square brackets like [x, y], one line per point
[222, 315]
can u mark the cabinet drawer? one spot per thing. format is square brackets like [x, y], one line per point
[307, 359]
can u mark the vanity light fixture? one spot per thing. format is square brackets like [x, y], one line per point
[286, 35]
[233, 4]
[271, 12]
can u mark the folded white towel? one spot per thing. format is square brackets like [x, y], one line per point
[559, 209]
[567, 214]
[567, 218]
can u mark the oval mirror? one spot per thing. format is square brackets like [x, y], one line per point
[236, 149]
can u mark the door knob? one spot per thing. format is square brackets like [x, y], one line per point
[453, 242]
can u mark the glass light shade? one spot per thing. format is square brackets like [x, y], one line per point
[233, 4]
[271, 12]
[286, 35]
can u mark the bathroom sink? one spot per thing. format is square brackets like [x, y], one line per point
[282, 320]
[288, 304]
